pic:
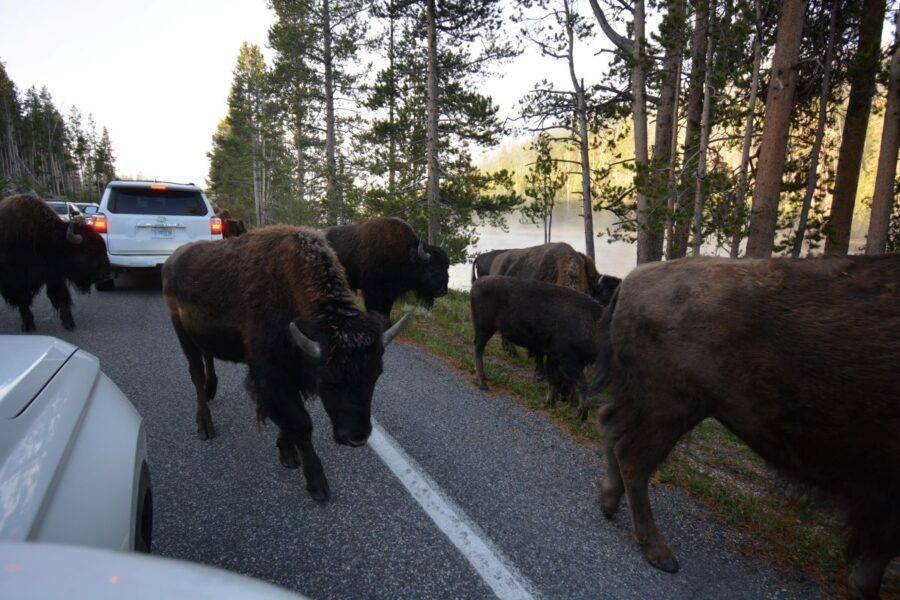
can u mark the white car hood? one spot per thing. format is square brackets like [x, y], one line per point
[45, 388]
[28, 363]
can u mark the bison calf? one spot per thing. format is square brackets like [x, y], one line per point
[37, 248]
[798, 358]
[544, 318]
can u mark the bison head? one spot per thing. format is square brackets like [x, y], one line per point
[84, 256]
[429, 273]
[602, 289]
[348, 362]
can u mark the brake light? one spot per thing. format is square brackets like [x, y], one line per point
[99, 223]
[215, 226]
[157, 186]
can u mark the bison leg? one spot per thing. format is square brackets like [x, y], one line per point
[639, 452]
[540, 373]
[867, 573]
[612, 487]
[205, 428]
[296, 429]
[508, 347]
[481, 341]
[27, 318]
[212, 382]
[61, 299]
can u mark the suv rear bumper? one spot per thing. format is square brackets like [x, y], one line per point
[137, 261]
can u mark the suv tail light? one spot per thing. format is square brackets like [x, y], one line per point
[215, 226]
[99, 223]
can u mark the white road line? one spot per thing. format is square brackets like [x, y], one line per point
[497, 572]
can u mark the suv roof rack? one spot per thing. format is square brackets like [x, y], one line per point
[149, 181]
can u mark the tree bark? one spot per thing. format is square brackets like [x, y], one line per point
[694, 112]
[883, 196]
[773, 147]
[862, 87]
[433, 186]
[741, 192]
[699, 197]
[392, 106]
[583, 139]
[666, 124]
[331, 185]
[646, 236]
[812, 177]
[673, 164]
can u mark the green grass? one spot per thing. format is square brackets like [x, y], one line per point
[710, 464]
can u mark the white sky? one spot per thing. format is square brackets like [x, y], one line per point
[157, 73]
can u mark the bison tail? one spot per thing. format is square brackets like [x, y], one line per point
[599, 371]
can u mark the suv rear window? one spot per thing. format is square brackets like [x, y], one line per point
[146, 201]
[61, 208]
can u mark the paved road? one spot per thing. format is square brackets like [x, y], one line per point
[525, 489]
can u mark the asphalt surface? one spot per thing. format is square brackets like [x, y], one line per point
[522, 482]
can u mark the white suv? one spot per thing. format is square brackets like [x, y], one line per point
[143, 222]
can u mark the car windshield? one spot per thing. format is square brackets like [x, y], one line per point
[148, 201]
[61, 208]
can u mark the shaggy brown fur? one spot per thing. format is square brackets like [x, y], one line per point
[544, 318]
[381, 258]
[236, 299]
[557, 263]
[798, 358]
[35, 251]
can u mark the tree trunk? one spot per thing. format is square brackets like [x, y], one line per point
[773, 147]
[433, 189]
[300, 144]
[586, 203]
[862, 87]
[699, 197]
[666, 124]
[883, 196]
[646, 236]
[672, 192]
[684, 203]
[812, 177]
[331, 185]
[392, 106]
[740, 195]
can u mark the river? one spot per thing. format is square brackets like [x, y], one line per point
[615, 258]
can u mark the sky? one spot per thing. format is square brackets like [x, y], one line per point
[157, 73]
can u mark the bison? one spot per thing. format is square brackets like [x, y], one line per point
[481, 266]
[557, 263]
[544, 318]
[384, 258]
[231, 227]
[798, 358]
[37, 248]
[277, 300]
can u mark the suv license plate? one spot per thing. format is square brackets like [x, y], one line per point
[162, 232]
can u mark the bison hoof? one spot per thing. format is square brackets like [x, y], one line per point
[68, 325]
[319, 492]
[609, 499]
[289, 460]
[28, 326]
[539, 376]
[482, 385]
[210, 389]
[205, 429]
[667, 564]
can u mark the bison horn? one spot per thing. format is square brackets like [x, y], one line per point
[388, 336]
[424, 256]
[71, 236]
[309, 347]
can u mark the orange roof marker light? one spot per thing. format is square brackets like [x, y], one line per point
[157, 186]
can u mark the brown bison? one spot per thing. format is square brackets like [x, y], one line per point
[556, 263]
[37, 248]
[276, 299]
[798, 358]
[231, 227]
[481, 266]
[384, 258]
[544, 318]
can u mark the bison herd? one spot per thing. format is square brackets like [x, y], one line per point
[800, 359]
